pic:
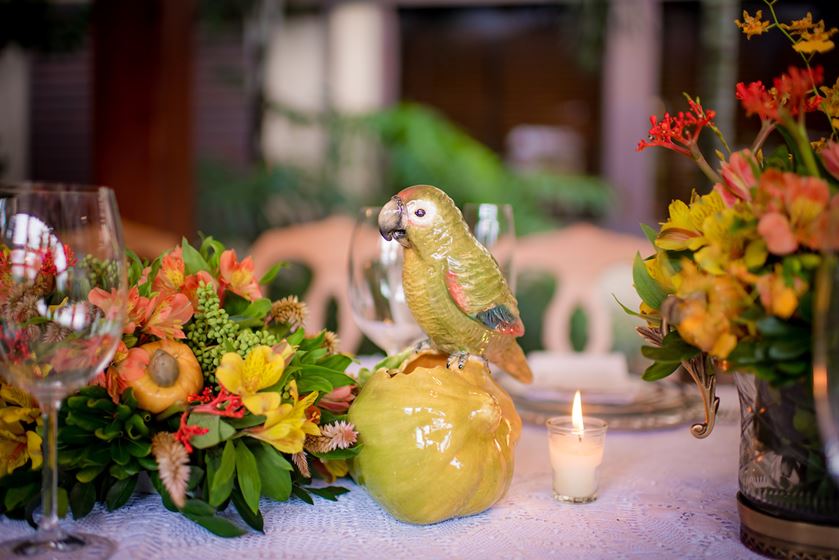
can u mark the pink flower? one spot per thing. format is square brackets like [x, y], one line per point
[830, 158]
[338, 400]
[775, 230]
[738, 177]
[238, 277]
[166, 315]
[792, 211]
[170, 277]
[109, 303]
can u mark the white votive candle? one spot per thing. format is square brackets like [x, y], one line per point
[576, 448]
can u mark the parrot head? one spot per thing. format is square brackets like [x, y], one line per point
[419, 215]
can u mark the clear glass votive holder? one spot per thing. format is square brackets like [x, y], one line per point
[575, 456]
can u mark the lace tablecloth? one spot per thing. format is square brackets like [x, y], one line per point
[663, 494]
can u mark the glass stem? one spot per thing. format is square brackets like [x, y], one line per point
[49, 474]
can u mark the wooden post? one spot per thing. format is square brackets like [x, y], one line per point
[143, 121]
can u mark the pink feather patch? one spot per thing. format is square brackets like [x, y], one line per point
[456, 291]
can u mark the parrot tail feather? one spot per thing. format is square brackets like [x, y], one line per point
[512, 360]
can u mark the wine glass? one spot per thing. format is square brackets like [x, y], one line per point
[376, 295]
[826, 346]
[494, 227]
[57, 244]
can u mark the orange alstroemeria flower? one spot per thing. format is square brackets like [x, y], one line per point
[238, 277]
[166, 315]
[170, 277]
[128, 365]
[109, 302]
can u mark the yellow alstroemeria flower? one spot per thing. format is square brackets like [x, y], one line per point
[730, 242]
[17, 444]
[263, 367]
[287, 425]
[684, 228]
[706, 308]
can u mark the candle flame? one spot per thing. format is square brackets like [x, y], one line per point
[577, 415]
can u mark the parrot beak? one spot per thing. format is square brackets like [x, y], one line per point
[392, 222]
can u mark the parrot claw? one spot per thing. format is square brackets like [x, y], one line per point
[458, 357]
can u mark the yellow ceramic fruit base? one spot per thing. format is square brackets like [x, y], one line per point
[780, 538]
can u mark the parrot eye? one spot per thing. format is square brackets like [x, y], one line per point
[419, 213]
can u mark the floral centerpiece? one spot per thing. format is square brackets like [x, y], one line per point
[215, 393]
[730, 285]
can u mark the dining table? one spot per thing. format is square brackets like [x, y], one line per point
[662, 494]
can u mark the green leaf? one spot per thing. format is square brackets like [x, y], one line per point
[269, 276]
[193, 261]
[336, 362]
[314, 355]
[659, 370]
[648, 289]
[334, 378]
[252, 518]
[19, 495]
[248, 475]
[348, 453]
[128, 399]
[119, 494]
[119, 452]
[247, 421]
[632, 313]
[198, 507]
[88, 474]
[82, 499]
[217, 525]
[254, 314]
[330, 493]
[295, 338]
[788, 349]
[303, 495]
[274, 472]
[165, 498]
[217, 430]
[649, 232]
[63, 502]
[314, 383]
[124, 471]
[222, 482]
[138, 448]
[135, 427]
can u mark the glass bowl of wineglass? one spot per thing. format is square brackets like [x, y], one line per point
[826, 345]
[376, 295]
[58, 243]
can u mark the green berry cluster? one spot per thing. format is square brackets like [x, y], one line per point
[210, 328]
[211, 333]
[247, 340]
[101, 273]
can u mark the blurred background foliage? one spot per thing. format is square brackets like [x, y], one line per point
[416, 145]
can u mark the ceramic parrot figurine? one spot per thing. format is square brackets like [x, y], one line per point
[452, 283]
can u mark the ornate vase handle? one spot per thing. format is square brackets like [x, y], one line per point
[702, 370]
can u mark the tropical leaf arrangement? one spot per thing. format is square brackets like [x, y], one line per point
[215, 394]
[732, 275]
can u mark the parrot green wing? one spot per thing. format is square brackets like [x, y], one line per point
[476, 285]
